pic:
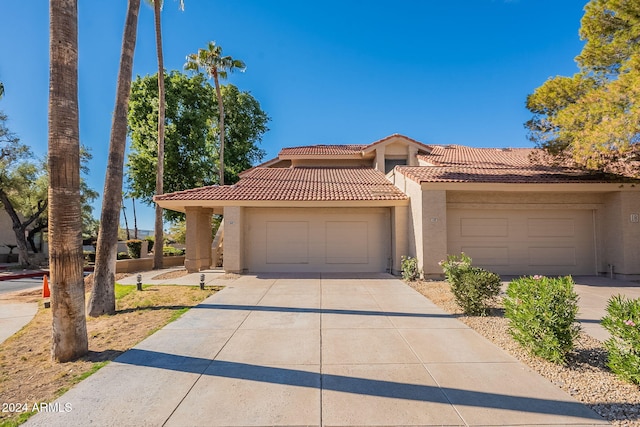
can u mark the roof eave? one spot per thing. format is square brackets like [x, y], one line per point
[586, 187]
[182, 205]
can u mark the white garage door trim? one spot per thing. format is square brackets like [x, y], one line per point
[317, 240]
[547, 242]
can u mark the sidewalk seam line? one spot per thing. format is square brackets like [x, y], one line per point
[213, 359]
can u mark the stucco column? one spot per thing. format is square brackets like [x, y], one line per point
[413, 156]
[198, 239]
[399, 236]
[205, 238]
[434, 231]
[191, 252]
[232, 245]
[380, 158]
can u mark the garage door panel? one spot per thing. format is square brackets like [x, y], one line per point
[487, 255]
[484, 227]
[553, 256]
[317, 240]
[535, 241]
[347, 242]
[551, 227]
[287, 242]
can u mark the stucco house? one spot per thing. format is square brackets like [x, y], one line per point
[360, 208]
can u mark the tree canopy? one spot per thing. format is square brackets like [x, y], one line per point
[23, 190]
[593, 117]
[191, 140]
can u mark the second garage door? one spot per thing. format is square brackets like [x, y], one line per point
[546, 242]
[317, 240]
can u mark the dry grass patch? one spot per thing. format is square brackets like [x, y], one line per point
[27, 373]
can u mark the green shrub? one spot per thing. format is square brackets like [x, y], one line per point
[134, 247]
[410, 271]
[150, 242]
[454, 266]
[171, 251]
[123, 255]
[473, 288]
[542, 313]
[623, 323]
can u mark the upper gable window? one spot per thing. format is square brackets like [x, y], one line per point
[389, 164]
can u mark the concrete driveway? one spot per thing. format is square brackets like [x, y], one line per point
[316, 350]
[594, 294]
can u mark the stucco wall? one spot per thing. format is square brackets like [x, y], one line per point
[621, 235]
[233, 236]
[7, 236]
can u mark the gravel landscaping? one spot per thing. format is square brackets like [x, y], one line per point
[585, 376]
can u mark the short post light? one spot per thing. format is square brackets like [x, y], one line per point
[202, 281]
[139, 282]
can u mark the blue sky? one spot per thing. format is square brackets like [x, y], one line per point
[330, 72]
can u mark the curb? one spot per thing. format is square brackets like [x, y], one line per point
[23, 275]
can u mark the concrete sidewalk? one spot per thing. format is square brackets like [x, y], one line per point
[315, 350]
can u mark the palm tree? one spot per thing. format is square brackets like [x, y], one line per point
[102, 299]
[158, 231]
[69, 332]
[216, 66]
[158, 234]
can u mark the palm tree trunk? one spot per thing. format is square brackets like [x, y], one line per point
[221, 121]
[65, 217]
[102, 299]
[157, 254]
[126, 223]
[135, 219]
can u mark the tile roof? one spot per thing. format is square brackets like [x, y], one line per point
[457, 163]
[458, 155]
[397, 135]
[509, 175]
[299, 184]
[322, 150]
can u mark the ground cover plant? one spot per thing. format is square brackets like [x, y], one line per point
[28, 375]
[542, 313]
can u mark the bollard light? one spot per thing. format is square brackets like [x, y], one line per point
[202, 281]
[139, 283]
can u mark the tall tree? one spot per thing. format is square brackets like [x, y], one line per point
[1, 90]
[23, 192]
[216, 66]
[593, 118]
[158, 226]
[69, 332]
[102, 300]
[191, 145]
[20, 196]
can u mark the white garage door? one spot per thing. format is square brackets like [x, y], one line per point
[317, 240]
[545, 242]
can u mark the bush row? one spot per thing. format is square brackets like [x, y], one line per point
[542, 314]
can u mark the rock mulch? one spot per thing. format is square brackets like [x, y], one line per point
[585, 375]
